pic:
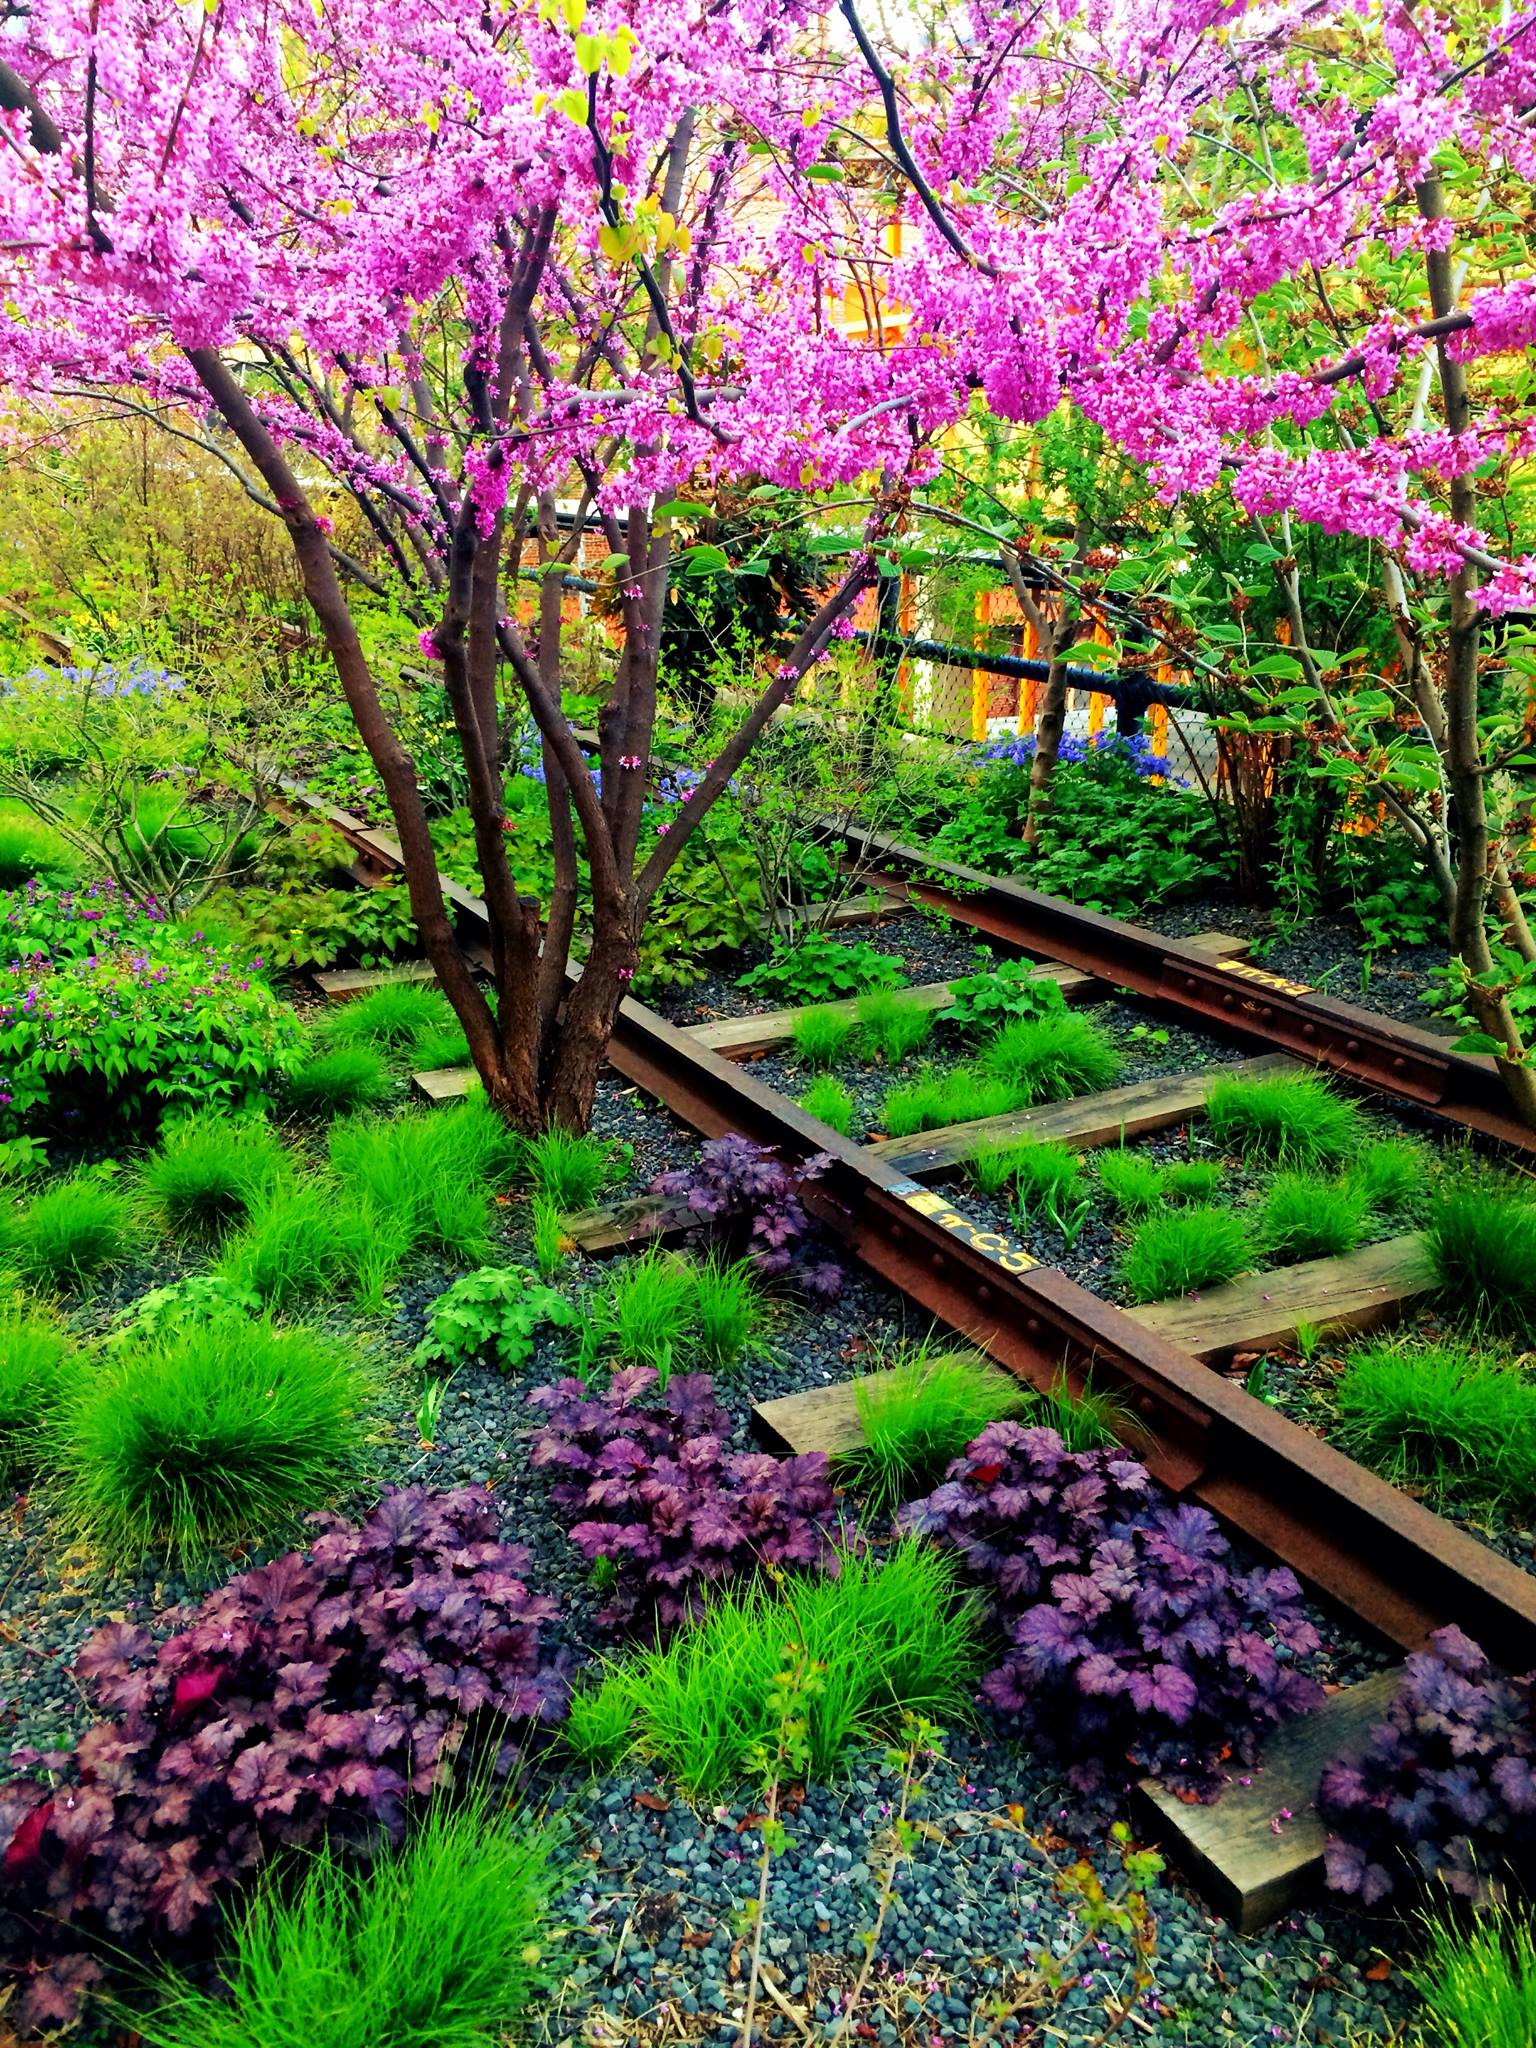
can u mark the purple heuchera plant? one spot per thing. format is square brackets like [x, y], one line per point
[749, 1196]
[1446, 1788]
[316, 1693]
[1133, 1644]
[661, 1496]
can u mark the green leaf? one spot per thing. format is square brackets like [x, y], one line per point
[615, 565]
[1276, 665]
[706, 560]
[1479, 1041]
[682, 508]
[826, 174]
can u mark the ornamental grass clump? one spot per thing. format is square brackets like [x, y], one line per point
[919, 1411]
[1391, 1175]
[33, 1348]
[1450, 1419]
[428, 1177]
[663, 1306]
[70, 1234]
[1445, 1792]
[567, 1169]
[824, 1035]
[1307, 1216]
[220, 1433]
[445, 1940]
[933, 1101]
[646, 1479]
[1481, 1240]
[888, 1636]
[298, 1240]
[1035, 1172]
[395, 1014]
[893, 1026]
[1047, 1059]
[339, 1082]
[1289, 1119]
[1184, 1251]
[1477, 1980]
[316, 1697]
[1132, 1181]
[206, 1170]
[1132, 1643]
[830, 1103]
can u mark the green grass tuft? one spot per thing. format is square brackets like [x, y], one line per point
[567, 1169]
[1089, 1420]
[340, 1082]
[885, 1637]
[443, 1943]
[727, 1309]
[1132, 1181]
[662, 1309]
[429, 1177]
[1477, 1979]
[920, 1410]
[1291, 1119]
[1391, 1174]
[549, 1239]
[823, 1035]
[32, 1352]
[215, 1434]
[71, 1233]
[206, 1170]
[892, 1026]
[1191, 1180]
[1183, 1251]
[1035, 1171]
[298, 1240]
[1481, 1240]
[443, 1046]
[1047, 1059]
[395, 1014]
[830, 1103]
[1305, 1216]
[1448, 1418]
[935, 1100]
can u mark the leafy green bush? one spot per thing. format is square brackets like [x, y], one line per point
[442, 1943]
[206, 1170]
[1293, 1119]
[124, 1015]
[1449, 1418]
[823, 1035]
[1305, 1216]
[70, 1233]
[817, 968]
[1185, 1250]
[893, 1026]
[1002, 992]
[32, 1353]
[885, 1637]
[493, 1314]
[919, 1411]
[1047, 1059]
[830, 1103]
[212, 1434]
[1481, 1240]
[195, 1298]
[339, 1082]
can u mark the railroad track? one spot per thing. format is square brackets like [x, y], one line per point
[1391, 1563]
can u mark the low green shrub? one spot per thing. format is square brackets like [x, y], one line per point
[213, 1434]
[893, 1026]
[1183, 1251]
[195, 1298]
[207, 1168]
[830, 1103]
[818, 967]
[1481, 1239]
[445, 1942]
[394, 1014]
[823, 1036]
[33, 1348]
[494, 1314]
[886, 1636]
[1047, 1059]
[70, 1233]
[1306, 1216]
[920, 1410]
[113, 1014]
[567, 1169]
[1450, 1418]
[1477, 1980]
[339, 1082]
[1291, 1119]
[1000, 993]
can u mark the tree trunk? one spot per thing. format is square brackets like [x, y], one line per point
[1049, 724]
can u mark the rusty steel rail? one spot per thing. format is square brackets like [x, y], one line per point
[1262, 1008]
[1397, 1567]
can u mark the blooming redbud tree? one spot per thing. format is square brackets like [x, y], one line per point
[464, 264]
